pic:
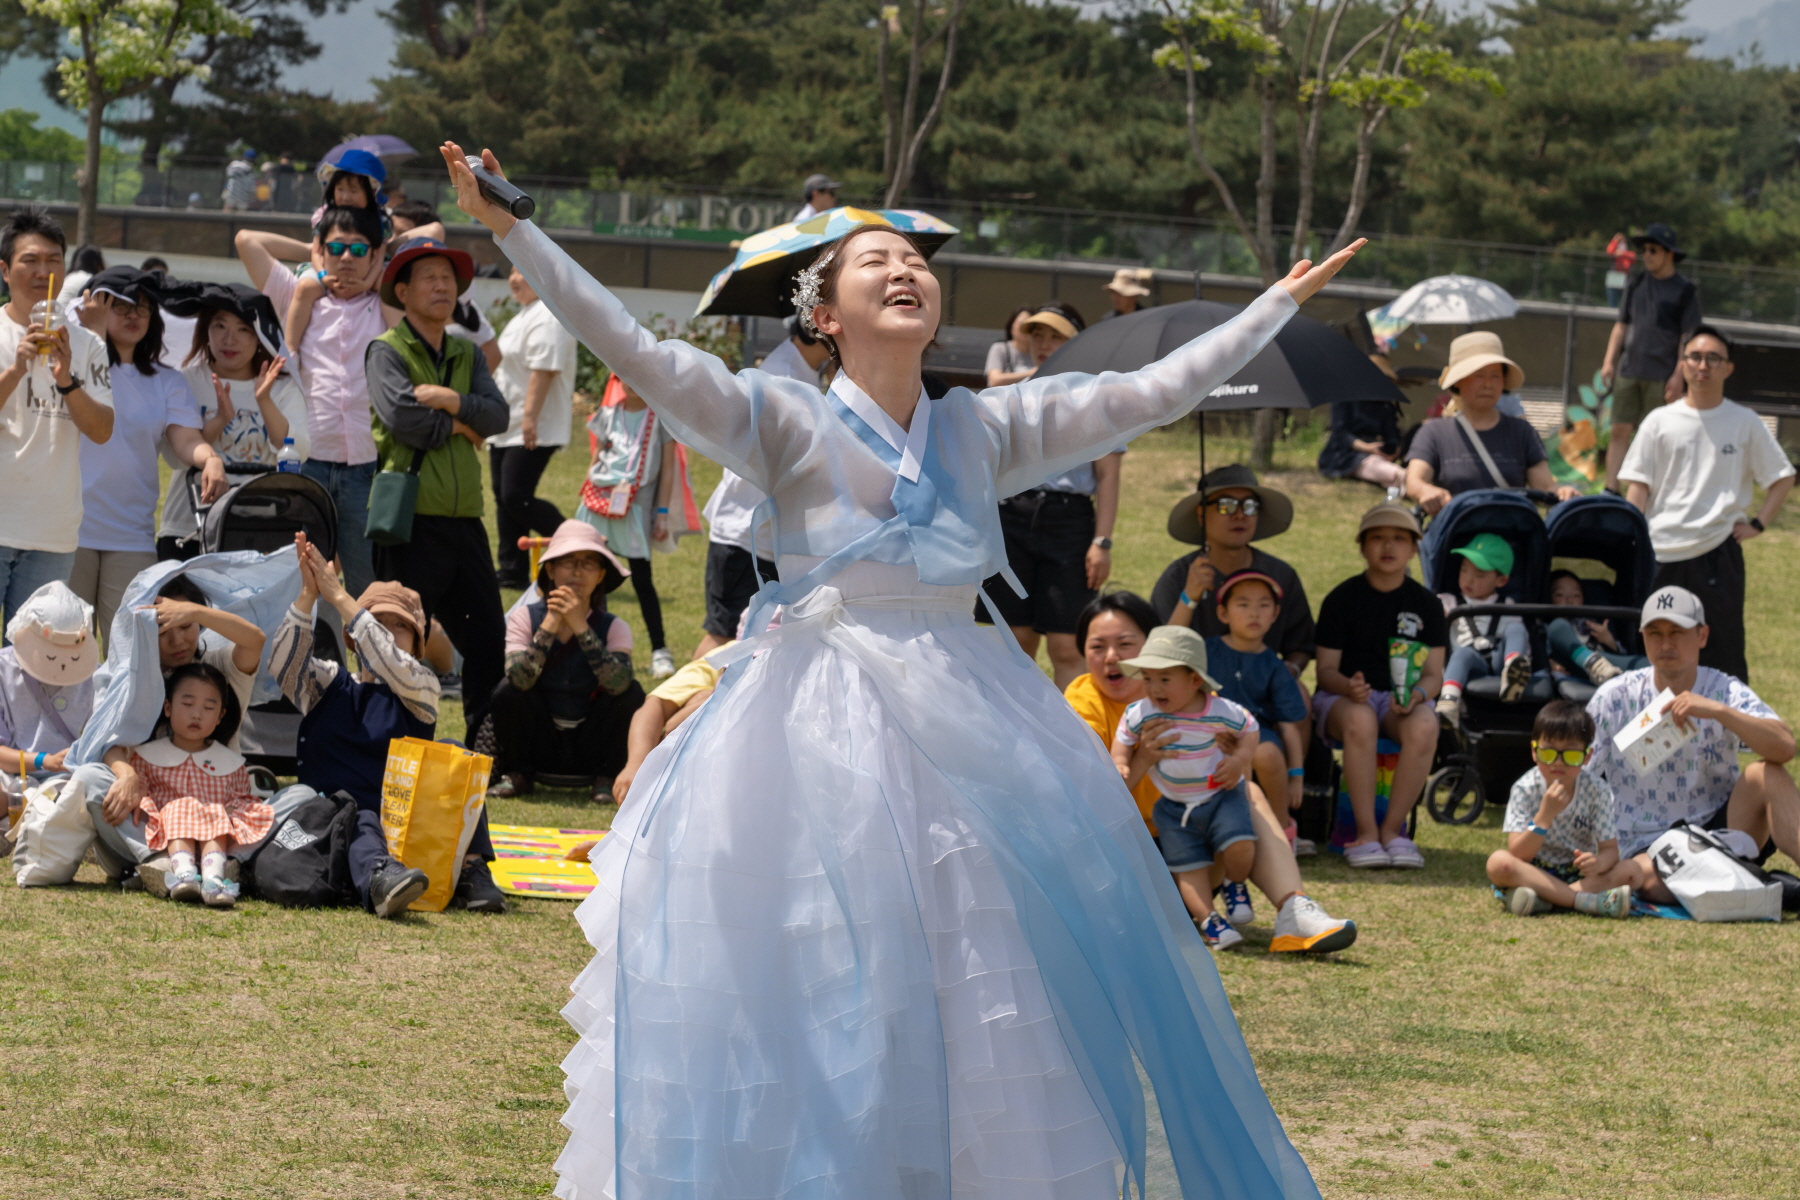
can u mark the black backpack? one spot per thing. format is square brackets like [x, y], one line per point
[306, 861]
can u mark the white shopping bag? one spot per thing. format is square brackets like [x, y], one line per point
[53, 835]
[1710, 880]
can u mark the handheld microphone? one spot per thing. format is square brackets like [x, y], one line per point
[499, 191]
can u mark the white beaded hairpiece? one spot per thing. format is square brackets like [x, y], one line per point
[806, 289]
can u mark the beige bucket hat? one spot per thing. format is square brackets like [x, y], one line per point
[1473, 351]
[1168, 647]
[1129, 282]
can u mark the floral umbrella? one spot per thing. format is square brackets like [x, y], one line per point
[760, 281]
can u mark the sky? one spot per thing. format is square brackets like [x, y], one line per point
[359, 44]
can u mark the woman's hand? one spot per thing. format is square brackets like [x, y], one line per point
[213, 483]
[468, 191]
[54, 762]
[172, 613]
[92, 313]
[564, 606]
[330, 589]
[1305, 279]
[1431, 498]
[123, 797]
[265, 383]
[659, 528]
[222, 392]
[1099, 566]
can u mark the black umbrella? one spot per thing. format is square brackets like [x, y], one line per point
[1307, 364]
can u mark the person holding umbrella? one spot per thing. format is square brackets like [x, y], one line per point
[870, 764]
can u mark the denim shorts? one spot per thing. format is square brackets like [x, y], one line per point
[1220, 822]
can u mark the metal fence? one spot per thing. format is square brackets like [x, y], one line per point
[680, 213]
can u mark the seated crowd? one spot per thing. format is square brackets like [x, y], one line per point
[1196, 693]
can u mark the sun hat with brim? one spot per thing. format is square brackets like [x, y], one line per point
[397, 600]
[1223, 589]
[1489, 552]
[418, 248]
[1275, 512]
[1052, 320]
[52, 635]
[253, 308]
[356, 162]
[126, 283]
[1389, 515]
[1473, 351]
[1125, 282]
[1663, 236]
[1169, 647]
[573, 537]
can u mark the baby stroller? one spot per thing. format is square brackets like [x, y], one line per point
[263, 513]
[1607, 543]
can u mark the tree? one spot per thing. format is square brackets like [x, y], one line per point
[902, 139]
[124, 47]
[1386, 65]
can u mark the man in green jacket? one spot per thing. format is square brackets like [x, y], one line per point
[435, 403]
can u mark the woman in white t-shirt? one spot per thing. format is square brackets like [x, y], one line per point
[1010, 360]
[151, 406]
[537, 377]
[249, 402]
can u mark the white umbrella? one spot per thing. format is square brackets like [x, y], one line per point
[1453, 300]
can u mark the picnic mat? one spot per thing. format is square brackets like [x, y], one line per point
[529, 861]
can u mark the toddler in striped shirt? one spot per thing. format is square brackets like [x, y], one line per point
[1196, 746]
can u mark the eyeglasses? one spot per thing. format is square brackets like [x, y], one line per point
[353, 249]
[1231, 506]
[1705, 360]
[1549, 754]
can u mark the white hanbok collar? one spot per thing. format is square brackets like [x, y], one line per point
[909, 442]
[216, 759]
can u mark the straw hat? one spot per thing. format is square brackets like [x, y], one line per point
[1473, 351]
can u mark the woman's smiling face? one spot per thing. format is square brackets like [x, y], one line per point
[1113, 637]
[883, 293]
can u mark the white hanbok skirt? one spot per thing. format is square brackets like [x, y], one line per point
[819, 928]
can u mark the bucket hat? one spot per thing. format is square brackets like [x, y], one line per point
[1389, 514]
[573, 537]
[1473, 351]
[418, 248]
[1663, 236]
[1275, 512]
[397, 600]
[1128, 281]
[1168, 647]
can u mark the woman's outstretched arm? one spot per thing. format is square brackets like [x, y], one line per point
[737, 421]
[1048, 424]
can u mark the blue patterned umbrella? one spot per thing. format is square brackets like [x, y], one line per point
[760, 281]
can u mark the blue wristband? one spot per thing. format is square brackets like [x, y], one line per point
[37, 764]
[1534, 827]
[662, 512]
[1296, 772]
[1187, 600]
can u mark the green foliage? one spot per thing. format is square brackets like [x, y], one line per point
[124, 44]
[22, 141]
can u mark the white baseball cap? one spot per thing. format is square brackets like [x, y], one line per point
[1673, 604]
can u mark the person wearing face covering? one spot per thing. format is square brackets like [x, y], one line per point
[46, 681]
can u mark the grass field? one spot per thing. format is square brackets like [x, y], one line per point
[155, 1050]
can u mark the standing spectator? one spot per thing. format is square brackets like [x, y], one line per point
[417, 219]
[235, 365]
[1692, 472]
[330, 357]
[55, 391]
[1364, 443]
[240, 183]
[1623, 259]
[1128, 291]
[434, 404]
[286, 177]
[82, 265]
[1009, 360]
[151, 403]
[820, 194]
[537, 377]
[1660, 308]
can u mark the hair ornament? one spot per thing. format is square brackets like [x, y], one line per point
[806, 289]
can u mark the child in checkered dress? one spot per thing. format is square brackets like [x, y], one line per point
[199, 798]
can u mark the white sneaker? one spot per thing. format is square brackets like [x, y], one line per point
[662, 664]
[1525, 902]
[1301, 925]
[1305, 848]
[1237, 905]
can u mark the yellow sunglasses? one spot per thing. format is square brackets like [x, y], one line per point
[1548, 755]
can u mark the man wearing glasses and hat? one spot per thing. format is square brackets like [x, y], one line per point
[1660, 309]
[1236, 510]
[820, 193]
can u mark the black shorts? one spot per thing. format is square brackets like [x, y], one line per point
[1047, 540]
[730, 582]
[1717, 822]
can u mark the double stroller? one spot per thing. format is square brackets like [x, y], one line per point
[1605, 542]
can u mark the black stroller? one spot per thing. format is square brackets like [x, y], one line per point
[1605, 541]
[263, 513]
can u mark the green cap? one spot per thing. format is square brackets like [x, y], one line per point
[1489, 552]
[1168, 647]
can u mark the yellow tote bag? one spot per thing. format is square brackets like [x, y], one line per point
[431, 799]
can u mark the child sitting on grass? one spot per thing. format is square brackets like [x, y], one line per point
[1197, 747]
[1562, 844]
[199, 798]
[1483, 646]
[1255, 678]
[1363, 623]
[1586, 646]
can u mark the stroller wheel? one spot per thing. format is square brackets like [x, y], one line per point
[1453, 795]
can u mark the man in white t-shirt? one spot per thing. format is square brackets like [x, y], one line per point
[1693, 469]
[733, 570]
[54, 391]
[537, 377]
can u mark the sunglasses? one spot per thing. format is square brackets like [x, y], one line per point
[1548, 755]
[1231, 506]
[353, 249]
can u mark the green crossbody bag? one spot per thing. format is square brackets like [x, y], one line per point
[393, 498]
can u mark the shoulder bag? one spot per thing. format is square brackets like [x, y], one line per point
[393, 498]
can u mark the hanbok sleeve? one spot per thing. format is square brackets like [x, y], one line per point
[1044, 426]
[747, 423]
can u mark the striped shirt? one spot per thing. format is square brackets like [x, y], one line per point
[304, 678]
[1184, 778]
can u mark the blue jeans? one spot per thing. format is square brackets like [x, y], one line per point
[23, 572]
[1466, 662]
[349, 487]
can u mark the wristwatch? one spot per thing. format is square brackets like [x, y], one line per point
[1103, 543]
[1756, 524]
[74, 382]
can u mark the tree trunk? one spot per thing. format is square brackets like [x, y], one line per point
[154, 190]
[90, 174]
[911, 147]
[1267, 424]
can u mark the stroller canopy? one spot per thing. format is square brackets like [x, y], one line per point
[1489, 510]
[1609, 530]
[265, 513]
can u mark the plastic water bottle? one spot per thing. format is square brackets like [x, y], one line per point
[287, 459]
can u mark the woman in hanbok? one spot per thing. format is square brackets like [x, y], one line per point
[881, 921]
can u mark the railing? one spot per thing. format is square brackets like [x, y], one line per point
[1003, 229]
